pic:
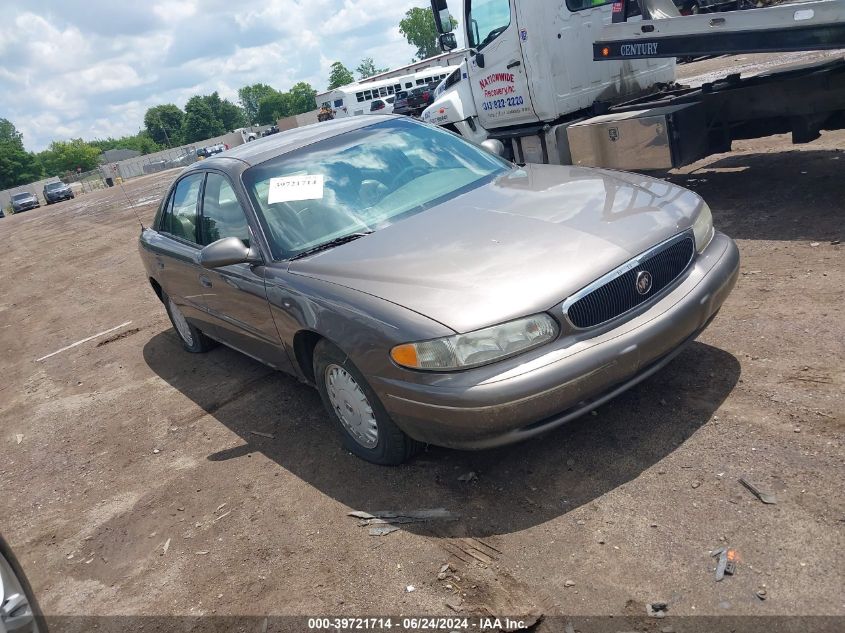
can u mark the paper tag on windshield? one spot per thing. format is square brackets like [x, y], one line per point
[292, 188]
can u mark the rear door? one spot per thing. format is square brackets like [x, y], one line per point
[500, 87]
[235, 295]
[177, 250]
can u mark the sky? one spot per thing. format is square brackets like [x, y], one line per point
[91, 68]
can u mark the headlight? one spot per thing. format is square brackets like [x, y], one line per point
[703, 228]
[463, 351]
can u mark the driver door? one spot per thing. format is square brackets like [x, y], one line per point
[500, 87]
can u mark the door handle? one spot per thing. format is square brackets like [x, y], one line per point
[205, 281]
[514, 64]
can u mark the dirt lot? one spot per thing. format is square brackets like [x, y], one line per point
[133, 481]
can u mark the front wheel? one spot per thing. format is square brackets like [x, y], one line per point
[192, 338]
[356, 411]
[19, 610]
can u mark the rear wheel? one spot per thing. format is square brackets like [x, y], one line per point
[192, 338]
[356, 411]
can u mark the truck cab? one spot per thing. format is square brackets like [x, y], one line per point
[529, 71]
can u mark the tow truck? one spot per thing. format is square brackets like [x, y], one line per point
[577, 82]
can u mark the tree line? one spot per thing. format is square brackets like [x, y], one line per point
[203, 117]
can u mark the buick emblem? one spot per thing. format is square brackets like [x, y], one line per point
[643, 282]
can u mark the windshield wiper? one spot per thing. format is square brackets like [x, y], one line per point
[331, 244]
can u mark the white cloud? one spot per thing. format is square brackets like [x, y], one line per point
[92, 68]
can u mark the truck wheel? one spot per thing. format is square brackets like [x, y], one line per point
[191, 337]
[356, 411]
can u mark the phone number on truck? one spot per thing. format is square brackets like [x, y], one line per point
[496, 104]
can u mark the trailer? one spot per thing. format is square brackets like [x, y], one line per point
[682, 124]
[594, 84]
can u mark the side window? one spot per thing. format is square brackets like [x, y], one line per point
[580, 5]
[180, 217]
[487, 19]
[222, 215]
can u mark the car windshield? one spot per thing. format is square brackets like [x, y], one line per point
[50, 186]
[362, 181]
[21, 196]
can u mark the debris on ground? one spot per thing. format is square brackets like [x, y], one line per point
[166, 547]
[569, 583]
[727, 562]
[263, 434]
[19, 437]
[156, 451]
[763, 495]
[657, 609]
[467, 477]
[761, 593]
[696, 484]
[455, 603]
[391, 517]
[410, 588]
[445, 572]
[383, 531]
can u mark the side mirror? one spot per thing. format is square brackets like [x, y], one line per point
[228, 251]
[494, 146]
[442, 18]
[448, 42]
[479, 60]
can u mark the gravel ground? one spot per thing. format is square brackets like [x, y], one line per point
[134, 482]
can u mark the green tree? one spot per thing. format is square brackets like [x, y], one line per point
[303, 98]
[340, 76]
[251, 96]
[17, 166]
[199, 122]
[10, 134]
[69, 156]
[418, 28]
[164, 124]
[367, 68]
[273, 107]
[140, 142]
[232, 116]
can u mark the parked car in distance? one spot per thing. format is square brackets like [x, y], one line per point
[24, 201]
[432, 291]
[57, 191]
[400, 103]
[19, 610]
[420, 98]
[381, 106]
[273, 129]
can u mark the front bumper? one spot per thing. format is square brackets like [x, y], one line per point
[59, 197]
[26, 207]
[519, 398]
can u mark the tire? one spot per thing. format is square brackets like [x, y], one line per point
[390, 446]
[29, 617]
[191, 337]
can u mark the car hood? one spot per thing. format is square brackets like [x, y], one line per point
[517, 245]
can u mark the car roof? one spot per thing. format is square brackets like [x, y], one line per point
[269, 147]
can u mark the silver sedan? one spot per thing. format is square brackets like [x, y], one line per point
[430, 290]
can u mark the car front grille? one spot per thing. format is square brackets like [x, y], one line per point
[617, 292]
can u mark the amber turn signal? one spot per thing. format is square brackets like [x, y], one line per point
[405, 355]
